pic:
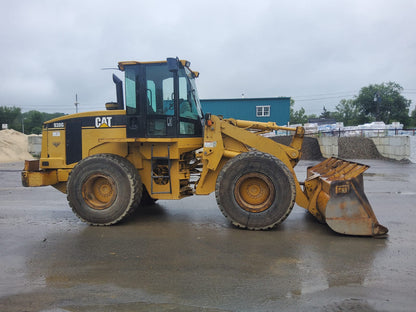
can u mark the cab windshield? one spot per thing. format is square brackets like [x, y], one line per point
[193, 92]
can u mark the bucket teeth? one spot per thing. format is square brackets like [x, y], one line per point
[346, 208]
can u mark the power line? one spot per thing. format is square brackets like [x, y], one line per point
[344, 94]
[324, 98]
[327, 93]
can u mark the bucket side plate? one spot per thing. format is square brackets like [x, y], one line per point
[347, 211]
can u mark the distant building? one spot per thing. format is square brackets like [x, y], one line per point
[275, 109]
[322, 121]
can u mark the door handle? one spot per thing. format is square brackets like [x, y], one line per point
[169, 121]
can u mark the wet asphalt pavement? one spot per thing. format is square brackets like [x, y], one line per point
[185, 256]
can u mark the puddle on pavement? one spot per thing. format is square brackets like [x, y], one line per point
[175, 256]
[388, 177]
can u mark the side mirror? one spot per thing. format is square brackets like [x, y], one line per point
[173, 65]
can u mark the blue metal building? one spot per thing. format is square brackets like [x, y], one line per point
[257, 109]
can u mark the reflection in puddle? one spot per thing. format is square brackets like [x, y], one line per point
[15, 279]
[341, 262]
[372, 176]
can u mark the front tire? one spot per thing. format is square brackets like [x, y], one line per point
[103, 189]
[255, 191]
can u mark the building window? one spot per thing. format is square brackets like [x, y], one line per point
[263, 111]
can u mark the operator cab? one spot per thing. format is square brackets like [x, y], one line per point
[162, 100]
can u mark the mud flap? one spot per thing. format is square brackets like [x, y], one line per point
[341, 202]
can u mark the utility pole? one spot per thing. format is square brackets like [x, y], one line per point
[377, 99]
[76, 103]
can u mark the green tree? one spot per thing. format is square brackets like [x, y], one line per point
[297, 117]
[382, 102]
[33, 120]
[291, 110]
[311, 116]
[11, 116]
[49, 116]
[30, 122]
[347, 112]
[326, 114]
[412, 122]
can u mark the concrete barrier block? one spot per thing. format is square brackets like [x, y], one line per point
[329, 146]
[412, 145]
[334, 151]
[325, 151]
[386, 151]
[397, 147]
[397, 141]
[381, 149]
[408, 151]
[34, 145]
[398, 151]
[377, 141]
[385, 141]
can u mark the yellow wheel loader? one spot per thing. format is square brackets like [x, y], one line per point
[157, 144]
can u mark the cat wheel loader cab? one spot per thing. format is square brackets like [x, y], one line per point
[155, 143]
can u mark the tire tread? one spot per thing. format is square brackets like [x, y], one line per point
[244, 157]
[133, 179]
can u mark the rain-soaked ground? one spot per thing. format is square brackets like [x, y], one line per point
[184, 255]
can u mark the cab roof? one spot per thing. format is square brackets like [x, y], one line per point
[185, 63]
[122, 64]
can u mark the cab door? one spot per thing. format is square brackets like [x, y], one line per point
[150, 101]
[160, 106]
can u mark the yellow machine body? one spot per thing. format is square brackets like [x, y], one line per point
[51, 168]
[176, 166]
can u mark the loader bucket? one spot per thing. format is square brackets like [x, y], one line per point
[341, 201]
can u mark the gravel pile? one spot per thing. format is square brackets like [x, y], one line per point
[310, 147]
[348, 147]
[357, 148]
[13, 146]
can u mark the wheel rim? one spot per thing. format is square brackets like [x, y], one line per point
[99, 191]
[254, 192]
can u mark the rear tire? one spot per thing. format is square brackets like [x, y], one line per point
[103, 189]
[255, 191]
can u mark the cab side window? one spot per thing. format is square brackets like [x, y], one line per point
[132, 91]
[187, 108]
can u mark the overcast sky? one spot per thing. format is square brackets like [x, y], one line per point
[316, 52]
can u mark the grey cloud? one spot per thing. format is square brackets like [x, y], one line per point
[54, 49]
